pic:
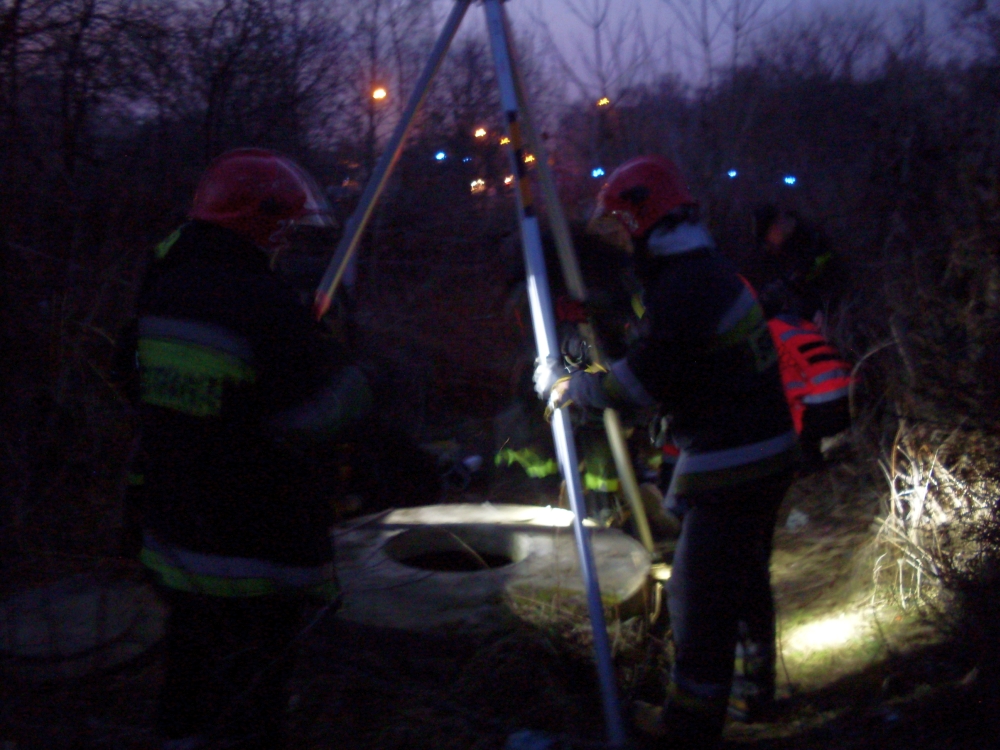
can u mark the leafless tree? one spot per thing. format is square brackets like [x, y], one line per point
[716, 33]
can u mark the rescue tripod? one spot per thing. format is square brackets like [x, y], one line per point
[520, 132]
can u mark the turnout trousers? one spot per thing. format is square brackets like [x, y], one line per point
[227, 660]
[719, 595]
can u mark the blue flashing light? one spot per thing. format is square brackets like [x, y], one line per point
[466, 159]
[790, 179]
[597, 172]
[440, 156]
[732, 173]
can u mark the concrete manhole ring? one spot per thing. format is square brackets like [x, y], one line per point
[437, 566]
[77, 625]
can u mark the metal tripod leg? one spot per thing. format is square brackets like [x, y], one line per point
[376, 183]
[543, 320]
[578, 290]
[543, 323]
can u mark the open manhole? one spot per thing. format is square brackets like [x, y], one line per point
[457, 549]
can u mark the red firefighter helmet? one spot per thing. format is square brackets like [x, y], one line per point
[261, 195]
[641, 192]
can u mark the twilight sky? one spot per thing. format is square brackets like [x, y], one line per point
[668, 41]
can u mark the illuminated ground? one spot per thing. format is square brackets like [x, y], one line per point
[852, 675]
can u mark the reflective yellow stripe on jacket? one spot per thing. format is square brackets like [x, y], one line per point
[216, 575]
[185, 364]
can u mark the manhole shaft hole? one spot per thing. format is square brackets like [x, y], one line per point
[456, 561]
[457, 549]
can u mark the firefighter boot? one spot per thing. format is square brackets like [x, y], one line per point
[685, 722]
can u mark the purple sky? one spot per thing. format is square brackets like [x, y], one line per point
[671, 45]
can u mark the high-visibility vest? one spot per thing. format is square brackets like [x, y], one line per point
[812, 370]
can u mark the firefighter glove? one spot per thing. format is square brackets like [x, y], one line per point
[546, 375]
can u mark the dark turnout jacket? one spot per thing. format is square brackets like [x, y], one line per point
[238, 389]
[707, 358]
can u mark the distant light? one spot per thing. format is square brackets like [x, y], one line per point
[790, 179]
[477, 186]
[732, 173]
[480, 133]
[508, 180]
[466, 159]
[379, 93]
[603, 101]
[440, 156]
[504, 141]
[597, 172]
[528, 158]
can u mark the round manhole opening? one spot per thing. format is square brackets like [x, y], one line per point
[457, 549]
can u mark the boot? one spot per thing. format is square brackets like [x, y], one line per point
[751, 699]
[676, 727]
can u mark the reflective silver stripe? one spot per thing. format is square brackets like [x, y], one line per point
[829, 375]
[209, 335]
[683, 238]
[797, 332]
[198, 563]
[822, 398]
[690, 463]
[630, 383]
[743, 304]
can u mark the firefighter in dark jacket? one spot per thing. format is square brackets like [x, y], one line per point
[708, 360]
[238, 388]
[793, 267]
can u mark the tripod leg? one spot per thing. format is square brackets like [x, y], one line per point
[376, 183]
[577, 288]
[543, 322]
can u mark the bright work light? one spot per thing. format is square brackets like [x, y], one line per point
[732, 173]
[790, 179]
[597, 172]
[440, 156]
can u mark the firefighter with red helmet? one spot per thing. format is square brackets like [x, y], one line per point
[238, 389]
[707, 358]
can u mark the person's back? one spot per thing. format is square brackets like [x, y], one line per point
[707, 359]
[716, 377]
[238, 387]
[224, 349]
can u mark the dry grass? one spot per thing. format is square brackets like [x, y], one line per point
[942, 492]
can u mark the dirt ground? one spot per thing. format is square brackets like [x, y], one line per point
[884, 680]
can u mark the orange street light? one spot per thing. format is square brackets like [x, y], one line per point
[504, 141]
[603, 101]
[379, 93]
[528, 158]
[480, 133]
[508, 180]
